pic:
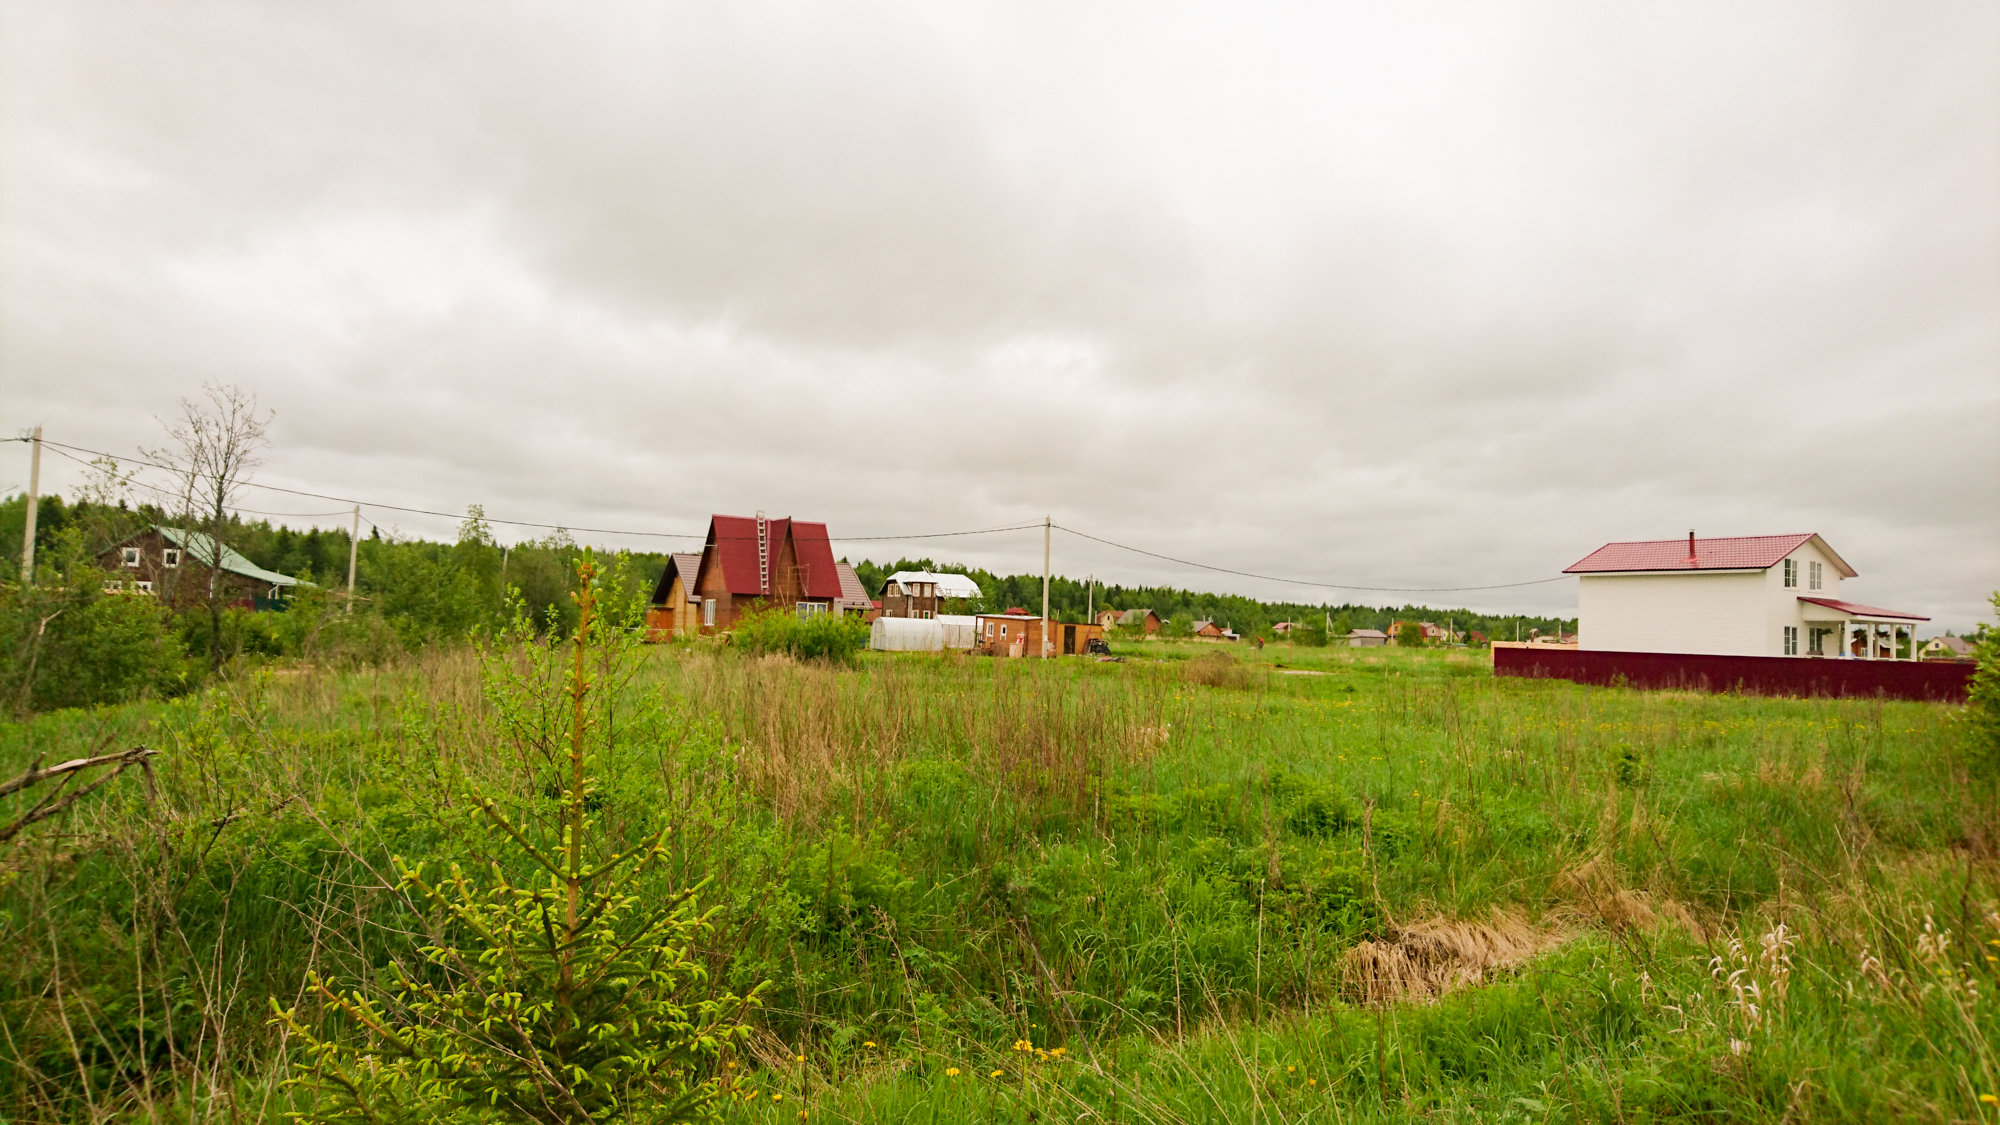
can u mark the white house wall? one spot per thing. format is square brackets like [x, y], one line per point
[1711, 614]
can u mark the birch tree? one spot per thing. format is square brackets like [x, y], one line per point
[213, 446]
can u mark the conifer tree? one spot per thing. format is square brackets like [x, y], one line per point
[560, 998]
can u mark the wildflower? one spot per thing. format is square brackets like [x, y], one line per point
[951, 1072]
[804, 1113]
[777, 1097]
[1312, 1081]
[870, 1043]
[802, 1058]
[1290, 1069]
[1989, 1099]
[996, 1074]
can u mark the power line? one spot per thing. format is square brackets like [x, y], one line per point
[60, 446]
[1305, 582]
[495, 519]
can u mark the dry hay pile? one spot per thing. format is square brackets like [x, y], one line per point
[1422, 961]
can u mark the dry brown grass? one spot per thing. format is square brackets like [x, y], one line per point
[813, 738]
[1220, 669]
[1420, 962]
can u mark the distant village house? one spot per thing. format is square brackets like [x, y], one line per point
[752, 562]
[173, 565]
[922, 595]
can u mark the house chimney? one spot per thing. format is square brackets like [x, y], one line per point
[1691, 545]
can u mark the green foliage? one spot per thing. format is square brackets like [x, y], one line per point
[1179, 625]
[562, 997]
[1310, 632]
[1410, 634]
[834, 638]
[71, 643]
[1982, 704]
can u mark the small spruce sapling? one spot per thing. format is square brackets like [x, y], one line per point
[560, 998]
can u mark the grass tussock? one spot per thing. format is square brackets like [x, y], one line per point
[1422, 961]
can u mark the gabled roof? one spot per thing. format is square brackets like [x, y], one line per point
[851, 589]
[1743, 552]
[1369, 633]
[1859, 610]
[948, 585]
[733, 546]
[202, 549]
[687, 566]
[1132, 616]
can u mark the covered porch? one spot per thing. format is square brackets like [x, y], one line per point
[1840, 629]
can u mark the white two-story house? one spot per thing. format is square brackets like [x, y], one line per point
[1755, 595]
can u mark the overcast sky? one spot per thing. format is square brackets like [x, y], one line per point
[1394, 295]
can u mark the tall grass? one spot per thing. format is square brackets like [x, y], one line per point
[1161, 867]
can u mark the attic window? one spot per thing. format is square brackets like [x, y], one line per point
[708, 612]
[171, 556]
[1791, 574]
[1813, 575]
[131, 556]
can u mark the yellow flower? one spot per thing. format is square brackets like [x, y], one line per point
[951, 1072]
[802, 1058]
[996, 1074]
[1290, 1069]
[1312, 1081]
[777, 1097]
[870, 1043]
[1989, 1099]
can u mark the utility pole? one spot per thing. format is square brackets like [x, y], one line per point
[353, 549]
[34, 501]
[1090, 601]
[1046, 521]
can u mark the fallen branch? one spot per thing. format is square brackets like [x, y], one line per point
[63, 796]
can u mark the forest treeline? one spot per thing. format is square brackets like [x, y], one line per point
[70, 641]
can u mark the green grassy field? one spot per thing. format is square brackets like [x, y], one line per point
[1297, 884]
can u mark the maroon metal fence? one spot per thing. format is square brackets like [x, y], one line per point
[1755, 675]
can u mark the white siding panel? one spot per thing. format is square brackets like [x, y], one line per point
[1711, 614]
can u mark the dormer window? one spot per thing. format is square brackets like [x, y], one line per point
[131, 556]
[1791, 574]
[1814, 572]
[170, 557]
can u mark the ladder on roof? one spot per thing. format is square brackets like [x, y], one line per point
[763, 555]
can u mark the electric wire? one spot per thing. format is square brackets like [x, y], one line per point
[61, 446]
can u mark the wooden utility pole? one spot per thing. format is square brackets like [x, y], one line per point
[353, 549]
[1045, 586]
[34, 501]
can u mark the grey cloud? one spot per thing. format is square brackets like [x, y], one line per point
[1390, 296]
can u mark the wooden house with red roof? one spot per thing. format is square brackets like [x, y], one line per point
[1755, 595]
[751, 562]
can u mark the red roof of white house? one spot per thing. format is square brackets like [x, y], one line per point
[1743, 552]
[1859, 610]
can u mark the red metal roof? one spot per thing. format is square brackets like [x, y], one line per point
[819, 574]
[732, 544]
[1743, 552]
[1859, 610]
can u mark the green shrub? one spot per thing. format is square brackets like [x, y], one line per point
[564, 997]
[1982, 704]
[70, 643]
[832, 638]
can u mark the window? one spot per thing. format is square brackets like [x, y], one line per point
[171, 556]
[1816, 640]
[144, 587]
[809, 609]
[1791, 574]
[1791, 640]
[131, 556]
[927, 615]
[1813, 572]
[708, 612]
